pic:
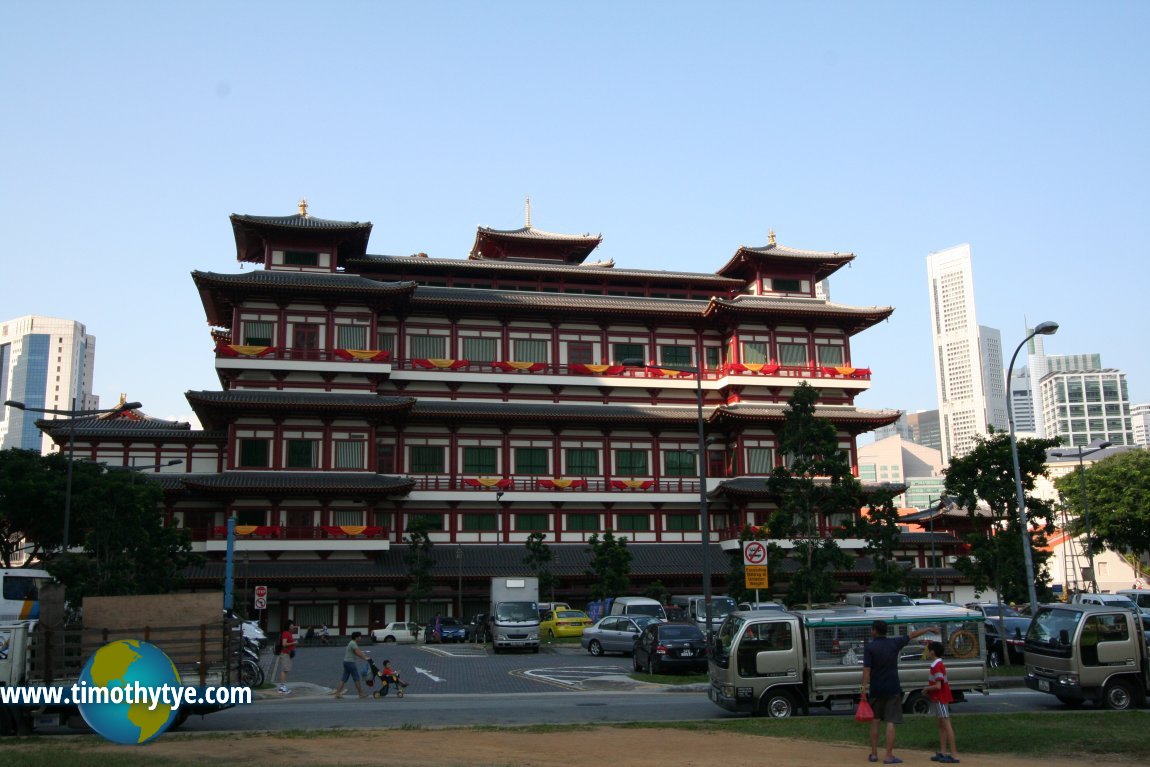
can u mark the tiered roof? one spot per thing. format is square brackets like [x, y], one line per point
[254, 233]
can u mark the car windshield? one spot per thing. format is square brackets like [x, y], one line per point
[652, 610]
[1053, 630]
[721, 606]
[672, 631]
[516, 611]
[642, 621]
[571, 614]
[448, 622]
[891, 600]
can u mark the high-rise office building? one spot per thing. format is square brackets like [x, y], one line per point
[968, 357]
[1140, 424]
[44, 362]
[1085, 405]
[1022, 401]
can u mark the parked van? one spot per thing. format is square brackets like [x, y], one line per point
[878, 599]
[638, 606]
[1106, 600]
[758, 606]
[696, 607]
[1140, 597]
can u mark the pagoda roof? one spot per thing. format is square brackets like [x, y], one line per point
[120, 423]
[527, 242]
[480, 560]
[295, 483]
[598, 270]
[840, 415]
[221, 293]
[545, 304]
[853, 318]
[253, 233]
[749, 260]
[217, 408]
[756, 487]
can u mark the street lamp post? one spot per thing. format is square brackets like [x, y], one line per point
[1042, 329]
[704, 515]
[1095, 446]
[72, 416]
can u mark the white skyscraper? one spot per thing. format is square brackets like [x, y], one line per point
[969, 378]
[44, 362]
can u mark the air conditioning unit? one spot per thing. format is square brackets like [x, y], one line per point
[951, 560]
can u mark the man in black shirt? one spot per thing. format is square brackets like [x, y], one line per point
[880, 678]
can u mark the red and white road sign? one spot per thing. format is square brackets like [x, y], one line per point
[261, 600]
[754, 553]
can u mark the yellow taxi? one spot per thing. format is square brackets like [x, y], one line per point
[563, 623]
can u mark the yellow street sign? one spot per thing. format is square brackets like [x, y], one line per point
[756, 576]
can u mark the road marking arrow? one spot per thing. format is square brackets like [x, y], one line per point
[427, 674]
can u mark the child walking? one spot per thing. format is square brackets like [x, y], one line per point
[938, 690]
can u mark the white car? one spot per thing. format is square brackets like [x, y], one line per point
[403, 633]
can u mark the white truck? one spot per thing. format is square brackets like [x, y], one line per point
[514, 614]
[782, 663]
[1087, 652]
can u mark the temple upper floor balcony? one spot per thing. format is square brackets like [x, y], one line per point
[293, 538]
[381, 361]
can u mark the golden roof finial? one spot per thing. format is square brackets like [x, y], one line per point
[528, 211]
[771, 237]
[123, 399]
[303, 207]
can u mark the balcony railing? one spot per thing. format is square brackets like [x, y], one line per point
[291, 532]
[558, 484]
[510, 367]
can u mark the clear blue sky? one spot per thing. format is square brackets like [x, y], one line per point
[680, 131]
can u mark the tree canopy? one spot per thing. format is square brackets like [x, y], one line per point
[986, 474]
[814, 490]
[419, 559]
[1118, 497]
[539, 558]
[610, 565]
[116, 521]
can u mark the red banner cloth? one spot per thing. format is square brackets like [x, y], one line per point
[239, 350]
[595, 370]
[351, 531]
[490, 483]
[363, 355]
[439, 364]
[561, 483]
[260, 531]
[519, 367]
[632, 484]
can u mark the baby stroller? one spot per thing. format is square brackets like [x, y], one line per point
[386, 680]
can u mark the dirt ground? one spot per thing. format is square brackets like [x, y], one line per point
[465, 748]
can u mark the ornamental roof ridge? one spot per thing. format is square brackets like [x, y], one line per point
[774, 249]
[279, 397]
[531, 233]
[535, 266]
[789, 300]
[299, 221]
[301, 279]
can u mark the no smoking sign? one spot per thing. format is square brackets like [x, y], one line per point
[754, 553]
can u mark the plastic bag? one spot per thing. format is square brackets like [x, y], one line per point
[864, 713]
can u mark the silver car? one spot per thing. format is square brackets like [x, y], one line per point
[615, 633]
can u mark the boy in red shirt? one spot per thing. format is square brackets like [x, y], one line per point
[939, 693]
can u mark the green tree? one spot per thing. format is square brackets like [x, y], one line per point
[419, 560]
[880, 529]
[986, 475]
[126, 546]
[1118, 496]
[539, 560]
[610, 565]
[815, 488]
[657, 591]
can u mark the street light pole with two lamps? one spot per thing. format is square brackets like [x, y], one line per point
[1081, 452]
[1042, 329]
[72, 415]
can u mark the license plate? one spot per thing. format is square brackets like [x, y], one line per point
[687, 653]
[1044, 685]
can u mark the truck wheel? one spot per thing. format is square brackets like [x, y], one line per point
[777, 705]
[595, 648]
[1119, 695]
[916, 703]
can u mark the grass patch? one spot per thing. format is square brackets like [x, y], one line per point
[1008, 671]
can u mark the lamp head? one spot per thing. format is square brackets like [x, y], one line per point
[1046, 328]
[14, 403]
[1100, 444]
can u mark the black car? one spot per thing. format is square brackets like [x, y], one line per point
[1016, 628]
[665, 646]
[478, 630]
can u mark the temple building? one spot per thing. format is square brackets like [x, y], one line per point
[526, 388]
